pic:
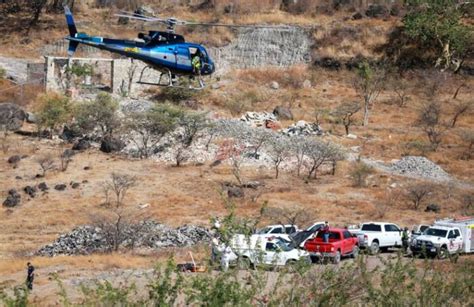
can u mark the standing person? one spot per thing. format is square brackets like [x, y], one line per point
[325, 231]
[30, 275]
[227, 256]
[196, 63]
[405, 238]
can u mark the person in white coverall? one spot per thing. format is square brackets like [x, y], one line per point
[227, 256]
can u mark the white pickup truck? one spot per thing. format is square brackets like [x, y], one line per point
[378, 236]
[256, 250]
[438, 241]
[281, 231]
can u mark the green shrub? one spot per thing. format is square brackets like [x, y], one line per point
[3, 73]
[53, 111]
[101, 112]
[359, 173]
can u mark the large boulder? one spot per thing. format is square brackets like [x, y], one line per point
[11, 116]
[70, 133]
[432, 208]
[377, 11]
[13, 199]
[14, 159]
[283, 113]
[328, 63]
[31, 191]
[82, 144]
[110, 144]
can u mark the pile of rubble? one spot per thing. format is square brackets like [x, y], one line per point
[259, 119]
[147, 234]
[303, 128]
[419, 167]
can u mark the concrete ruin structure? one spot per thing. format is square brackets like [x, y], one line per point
[116, 76]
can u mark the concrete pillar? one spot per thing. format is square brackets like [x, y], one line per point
[120, 76]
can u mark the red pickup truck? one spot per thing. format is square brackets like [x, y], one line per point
[341, 243]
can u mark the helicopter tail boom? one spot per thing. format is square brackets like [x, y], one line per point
[70, 22]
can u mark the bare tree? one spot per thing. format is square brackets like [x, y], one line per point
[260, 139]
[191, 124]
[467, 136]
[279, 149]
[417, 193]
[429, 119]
[118, 185]
[461, 108]
[391, 198]
[401, 87]
[288, 216]
[66, 158]
[300, 145]
[468, 203]
[344, 113]
[46, 162]
[320, 153]
[368, 84]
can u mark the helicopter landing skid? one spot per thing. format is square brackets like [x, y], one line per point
[172, 82]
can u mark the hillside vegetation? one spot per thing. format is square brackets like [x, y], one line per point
[377, 125]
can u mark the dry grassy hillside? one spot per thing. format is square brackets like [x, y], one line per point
[193, 193]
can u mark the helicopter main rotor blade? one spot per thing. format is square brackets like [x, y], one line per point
[177, 22]
[235, 25]
[141, 17]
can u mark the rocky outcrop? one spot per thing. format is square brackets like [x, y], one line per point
[11, 116]
[13, 199]
[109, 145]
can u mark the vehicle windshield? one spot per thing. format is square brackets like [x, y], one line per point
[284, 246]
[435, 232]
[371, 227]
[264, 230]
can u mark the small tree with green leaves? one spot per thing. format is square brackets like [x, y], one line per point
[149, 128]
[102, 113]
[54, 111]
[438, 25]
[429, 119]
[368, 84]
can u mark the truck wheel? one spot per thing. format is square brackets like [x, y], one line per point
[355, 252]
[244, 263]
[337, 258]
[374, 248]
[443, 253]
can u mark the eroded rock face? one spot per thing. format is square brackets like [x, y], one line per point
[283, 46]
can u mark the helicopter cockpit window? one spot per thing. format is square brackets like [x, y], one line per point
[193, 51]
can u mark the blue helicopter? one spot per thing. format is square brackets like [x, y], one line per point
[166, 52]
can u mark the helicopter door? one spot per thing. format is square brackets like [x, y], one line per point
[183, 59]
